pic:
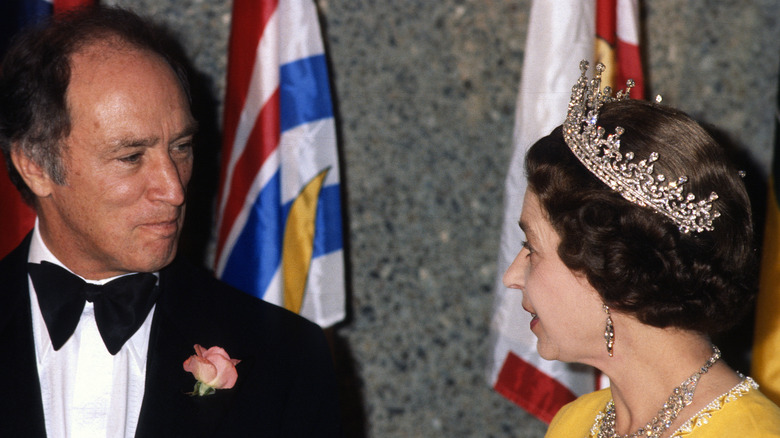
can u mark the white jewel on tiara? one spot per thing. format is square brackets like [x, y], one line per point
[634, 181]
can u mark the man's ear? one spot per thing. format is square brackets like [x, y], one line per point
[33, 175]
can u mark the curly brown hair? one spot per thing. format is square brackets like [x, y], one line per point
[637, 259]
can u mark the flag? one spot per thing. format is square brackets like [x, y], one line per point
[16, 217]
[766, 340]
[617, 44]
[279, 225]
[560, 35]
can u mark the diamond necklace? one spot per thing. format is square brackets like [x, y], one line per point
[681, 397]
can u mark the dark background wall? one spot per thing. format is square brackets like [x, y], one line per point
[426, 97]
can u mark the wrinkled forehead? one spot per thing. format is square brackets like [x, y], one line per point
[124, 96]
[114, 53]
[104, 68]
[111, 53]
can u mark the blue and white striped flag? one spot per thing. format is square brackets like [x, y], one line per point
[279, 229]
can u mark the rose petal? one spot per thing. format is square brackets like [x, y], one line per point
[213, 367]
[215, 351]
[226, 373]
[203, 370]
[199, 350]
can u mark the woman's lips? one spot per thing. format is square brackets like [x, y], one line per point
[534, 318]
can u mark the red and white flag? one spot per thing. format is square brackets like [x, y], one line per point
[560, 34]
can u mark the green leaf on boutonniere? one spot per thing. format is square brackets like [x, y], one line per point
[202, 389]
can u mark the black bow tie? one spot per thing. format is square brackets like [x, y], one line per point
[121, 305]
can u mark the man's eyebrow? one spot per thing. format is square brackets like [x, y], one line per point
[190, 130]
[130, 142]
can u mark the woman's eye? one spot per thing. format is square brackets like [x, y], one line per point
[527, 246]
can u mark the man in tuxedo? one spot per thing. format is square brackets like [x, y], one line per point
[98, 315]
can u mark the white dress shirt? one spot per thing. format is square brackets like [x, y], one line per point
[86, 391]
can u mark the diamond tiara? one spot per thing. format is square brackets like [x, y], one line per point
[634, 181]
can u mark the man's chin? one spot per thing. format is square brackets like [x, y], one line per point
[153, 261]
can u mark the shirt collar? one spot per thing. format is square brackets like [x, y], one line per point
[137, 344]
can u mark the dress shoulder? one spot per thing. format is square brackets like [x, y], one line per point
[743, 411]
[575, 419]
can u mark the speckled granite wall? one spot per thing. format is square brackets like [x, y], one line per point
[425, 93]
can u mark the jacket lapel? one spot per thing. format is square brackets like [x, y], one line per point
[21, 408]
[180, 321]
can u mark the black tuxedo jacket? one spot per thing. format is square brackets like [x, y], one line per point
[286, 385]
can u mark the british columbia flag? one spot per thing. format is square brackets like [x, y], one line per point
[279, 227]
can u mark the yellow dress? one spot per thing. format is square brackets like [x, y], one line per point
[742, 412]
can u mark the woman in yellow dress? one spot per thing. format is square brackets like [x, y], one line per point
[640, 248]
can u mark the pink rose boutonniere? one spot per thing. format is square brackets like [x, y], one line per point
[213, 369]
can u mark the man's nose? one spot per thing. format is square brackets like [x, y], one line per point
[169, 180]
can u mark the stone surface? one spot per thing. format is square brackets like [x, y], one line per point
[426, 93]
